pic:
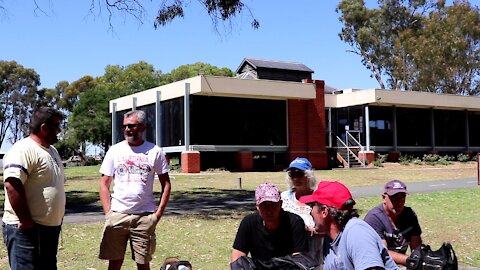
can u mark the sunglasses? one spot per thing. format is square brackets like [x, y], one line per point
[130, 126]
[296, 173]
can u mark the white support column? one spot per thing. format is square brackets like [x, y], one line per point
[158, 117]
[134, 103]
[114, 122]
[186, 114]
[367, 128]
[330, 127]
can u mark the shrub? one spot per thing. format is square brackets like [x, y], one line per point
[417, 161]
[429, 158]
[462, 157]
[405, 160]
[381, 158]
[377, 163]
[445, 160]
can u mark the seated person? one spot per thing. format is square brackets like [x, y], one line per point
[396, 223]
[355, 244]
[301, 181]
[270, 231]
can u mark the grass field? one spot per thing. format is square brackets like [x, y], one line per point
[206, 240]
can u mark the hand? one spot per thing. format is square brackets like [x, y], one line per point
[311, 230]
[26, 224]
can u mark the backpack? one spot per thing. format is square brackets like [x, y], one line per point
[424, 258]
[173, 263]
[289, 262]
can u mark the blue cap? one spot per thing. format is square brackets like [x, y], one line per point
[301, 164]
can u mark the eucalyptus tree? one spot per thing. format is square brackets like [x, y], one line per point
[420, 45]
[219, 11]
[18, 96]
[90, 118]
[191, 70]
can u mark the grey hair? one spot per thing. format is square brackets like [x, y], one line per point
[312, 181]
[141, 116]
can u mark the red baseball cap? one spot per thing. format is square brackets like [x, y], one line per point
[330, 193]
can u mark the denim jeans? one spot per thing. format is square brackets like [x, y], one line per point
[31, 249]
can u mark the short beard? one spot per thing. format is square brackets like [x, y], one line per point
[132, 139]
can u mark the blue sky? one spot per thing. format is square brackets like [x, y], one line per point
[69, 43]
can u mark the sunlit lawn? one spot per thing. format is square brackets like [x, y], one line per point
[206, 240]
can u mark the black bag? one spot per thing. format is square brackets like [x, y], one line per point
[289, 262]
[424, 258]
[173, 263]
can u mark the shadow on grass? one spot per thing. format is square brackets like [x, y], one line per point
[209, 201]
[82, 201]
[202, 201]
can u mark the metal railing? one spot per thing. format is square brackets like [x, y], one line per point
[352, 147]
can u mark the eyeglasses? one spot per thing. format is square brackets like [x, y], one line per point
[296, 173]
[130, 126]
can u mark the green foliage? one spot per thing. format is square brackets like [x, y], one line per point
[90, 119]
[191, 70]
[430, 158]
[444, 160]
[133, 78]
[380, 159]
[463, 157]
[18, 93]
[223, 10]
[377, 163]
[416, 45]
[405, 159]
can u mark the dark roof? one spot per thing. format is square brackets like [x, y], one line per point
[258, 63]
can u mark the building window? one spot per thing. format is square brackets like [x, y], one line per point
[474, 131]
[381, 125]
[237, 121]
[413, 127]
[449, 128]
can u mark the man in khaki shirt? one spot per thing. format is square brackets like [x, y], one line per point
[34, 195]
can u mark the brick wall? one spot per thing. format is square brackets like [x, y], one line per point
[190, 162]
[306, 128]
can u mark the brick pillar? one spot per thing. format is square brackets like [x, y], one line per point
[369, 156]
[307, 129]
[190, 162]
[244, 161]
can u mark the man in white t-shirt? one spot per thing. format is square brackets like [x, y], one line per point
[130, 211]
[34, 195]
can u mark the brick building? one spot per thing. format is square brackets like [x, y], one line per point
[253, 122]
[273, 111]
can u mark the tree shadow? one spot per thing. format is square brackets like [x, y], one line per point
[82, 202]
[199, 201]
[208, 201]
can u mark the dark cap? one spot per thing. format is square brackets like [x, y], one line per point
[395, 186]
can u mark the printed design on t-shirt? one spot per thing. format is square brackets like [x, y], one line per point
[136, 167]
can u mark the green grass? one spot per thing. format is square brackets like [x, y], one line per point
[206, 240]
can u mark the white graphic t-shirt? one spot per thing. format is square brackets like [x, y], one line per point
[133, 169]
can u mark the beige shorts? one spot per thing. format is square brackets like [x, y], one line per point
[119, 228]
